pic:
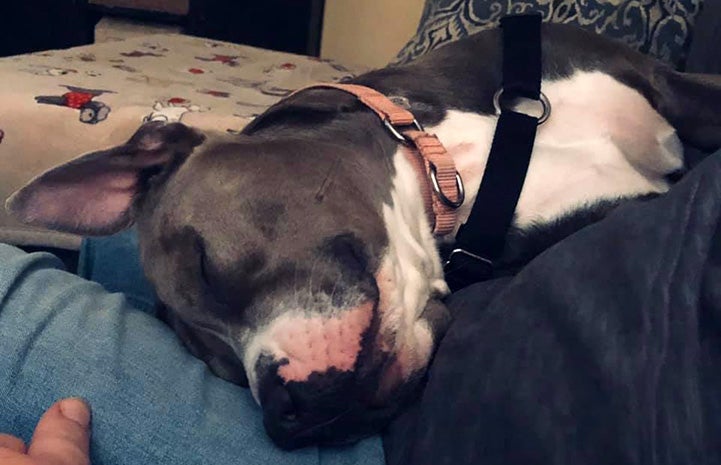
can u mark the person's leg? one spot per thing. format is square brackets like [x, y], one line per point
[114, 262]
[153, 403]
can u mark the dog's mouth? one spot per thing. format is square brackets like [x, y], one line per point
[345, 428]
[348, 427]
[336, 402]
[359, 418]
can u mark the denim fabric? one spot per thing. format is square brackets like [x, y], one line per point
[114, 262]
[153, 403]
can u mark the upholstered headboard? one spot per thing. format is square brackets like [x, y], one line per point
[661, 28]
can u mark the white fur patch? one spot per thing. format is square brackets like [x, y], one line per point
[602, 141]
[410, 274]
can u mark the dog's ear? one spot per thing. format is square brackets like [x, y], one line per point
[692, 104]
[94, 194]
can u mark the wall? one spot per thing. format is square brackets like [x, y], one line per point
[368, 32]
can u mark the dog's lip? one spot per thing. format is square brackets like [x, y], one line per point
[363, 417]
[320, 434]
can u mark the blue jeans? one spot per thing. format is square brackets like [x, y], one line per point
[153, 403]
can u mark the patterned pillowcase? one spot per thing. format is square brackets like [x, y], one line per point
[661, 28]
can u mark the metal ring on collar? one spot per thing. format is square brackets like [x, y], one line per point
[437, 189]
[401, 138]
[545, 103]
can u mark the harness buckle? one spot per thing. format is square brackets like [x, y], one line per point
[463, 268]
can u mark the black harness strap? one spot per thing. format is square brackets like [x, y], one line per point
[480, 241]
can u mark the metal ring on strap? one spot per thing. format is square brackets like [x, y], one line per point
[401, 138]
[437, 189]
[545, 103]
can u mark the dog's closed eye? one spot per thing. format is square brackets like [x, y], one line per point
[205, 268]
[224, 296]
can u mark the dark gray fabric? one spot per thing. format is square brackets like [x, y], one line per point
[606, 349]
[704, 55]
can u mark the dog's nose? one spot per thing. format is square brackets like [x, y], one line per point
[296, 414]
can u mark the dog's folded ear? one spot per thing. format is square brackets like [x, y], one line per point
[95, 194]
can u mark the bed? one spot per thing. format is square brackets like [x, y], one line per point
[60, 104]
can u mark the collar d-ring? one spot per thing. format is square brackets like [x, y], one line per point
[545, 105]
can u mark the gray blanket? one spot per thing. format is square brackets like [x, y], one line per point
[606, 349]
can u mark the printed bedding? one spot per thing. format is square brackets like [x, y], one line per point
[60, 104]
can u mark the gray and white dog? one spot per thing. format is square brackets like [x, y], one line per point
[296, 257]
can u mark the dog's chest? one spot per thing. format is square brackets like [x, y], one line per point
[603, 141]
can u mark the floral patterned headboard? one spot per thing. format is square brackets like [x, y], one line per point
[662, 28]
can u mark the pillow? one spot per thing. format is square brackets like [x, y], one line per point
[661, 28]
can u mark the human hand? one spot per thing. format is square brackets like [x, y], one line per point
[62, 437]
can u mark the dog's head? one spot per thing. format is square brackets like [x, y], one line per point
[275, 262]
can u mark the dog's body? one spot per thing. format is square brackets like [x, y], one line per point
[297, 257]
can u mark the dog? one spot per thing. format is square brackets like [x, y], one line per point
[295, 258]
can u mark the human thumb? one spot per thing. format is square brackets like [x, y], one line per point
[62, 436]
